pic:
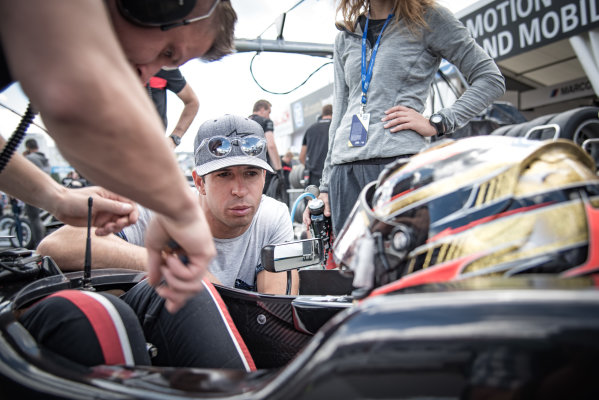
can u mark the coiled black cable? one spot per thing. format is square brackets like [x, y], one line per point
[288, 91]
[16, 137]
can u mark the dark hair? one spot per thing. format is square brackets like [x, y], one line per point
[260, 104]
[223, 21]
[327, 109]
[31, 144]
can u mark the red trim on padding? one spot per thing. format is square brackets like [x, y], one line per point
[101, 322]
[439, 273]
[592, 263]
[225, 311]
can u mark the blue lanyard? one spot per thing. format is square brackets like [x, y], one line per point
[367, 75]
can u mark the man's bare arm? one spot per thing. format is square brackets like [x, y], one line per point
[66, 246]
[191, 105]
[273, 153]
[24, 180]
[302, 154]
[276, 282]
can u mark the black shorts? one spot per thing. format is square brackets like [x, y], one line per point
[88, 328]
[98, 328]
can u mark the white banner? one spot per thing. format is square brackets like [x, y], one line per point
[505, 28]
[556, 94]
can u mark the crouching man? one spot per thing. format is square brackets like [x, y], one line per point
[230, 158]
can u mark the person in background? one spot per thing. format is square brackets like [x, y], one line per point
[287, 164]
[33, 154]
[95, 54]
[172, 79]
[74, 180]
[316, 145]
[385, 59]
[3, 202]
[261, 114]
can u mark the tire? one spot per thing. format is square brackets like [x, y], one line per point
[6, 222]
[7, 227]
[519, 130]
[296, 176]
[573, 121]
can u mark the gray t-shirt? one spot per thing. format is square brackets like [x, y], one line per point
[237, 258]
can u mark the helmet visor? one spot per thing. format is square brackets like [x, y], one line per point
[356, 228]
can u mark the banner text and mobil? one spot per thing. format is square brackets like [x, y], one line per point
[505, 28]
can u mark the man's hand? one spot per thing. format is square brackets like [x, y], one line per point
[327, 210]
[183, 281]
[110, 212]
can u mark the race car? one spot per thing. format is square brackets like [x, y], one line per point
[468, 271]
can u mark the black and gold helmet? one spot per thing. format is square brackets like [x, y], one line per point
[480, 206]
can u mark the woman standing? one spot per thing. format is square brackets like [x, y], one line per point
[385, 59]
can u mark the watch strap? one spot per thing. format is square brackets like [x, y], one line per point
[440, 125]
[176, 139]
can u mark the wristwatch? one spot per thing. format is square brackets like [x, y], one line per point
[176, 139]
[438, 121]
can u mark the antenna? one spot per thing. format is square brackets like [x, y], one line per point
[87, 266]
[280, 23]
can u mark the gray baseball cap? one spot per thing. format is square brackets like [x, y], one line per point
[235, 129]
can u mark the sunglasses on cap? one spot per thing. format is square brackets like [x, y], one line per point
[220, 146]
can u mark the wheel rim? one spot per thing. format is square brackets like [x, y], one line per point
[6, 223]
[26, 232]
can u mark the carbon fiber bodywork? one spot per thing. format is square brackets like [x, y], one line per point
[533, 337]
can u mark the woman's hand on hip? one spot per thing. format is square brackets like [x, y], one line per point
[399, 118]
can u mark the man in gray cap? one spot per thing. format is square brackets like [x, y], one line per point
[230, 157]
[229, 176]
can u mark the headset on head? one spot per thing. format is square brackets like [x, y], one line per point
[155, 13]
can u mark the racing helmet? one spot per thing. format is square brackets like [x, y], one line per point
[479, 206]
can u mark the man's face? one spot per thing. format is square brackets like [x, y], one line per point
[149, 49]
[230, 198]
[264, 112]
